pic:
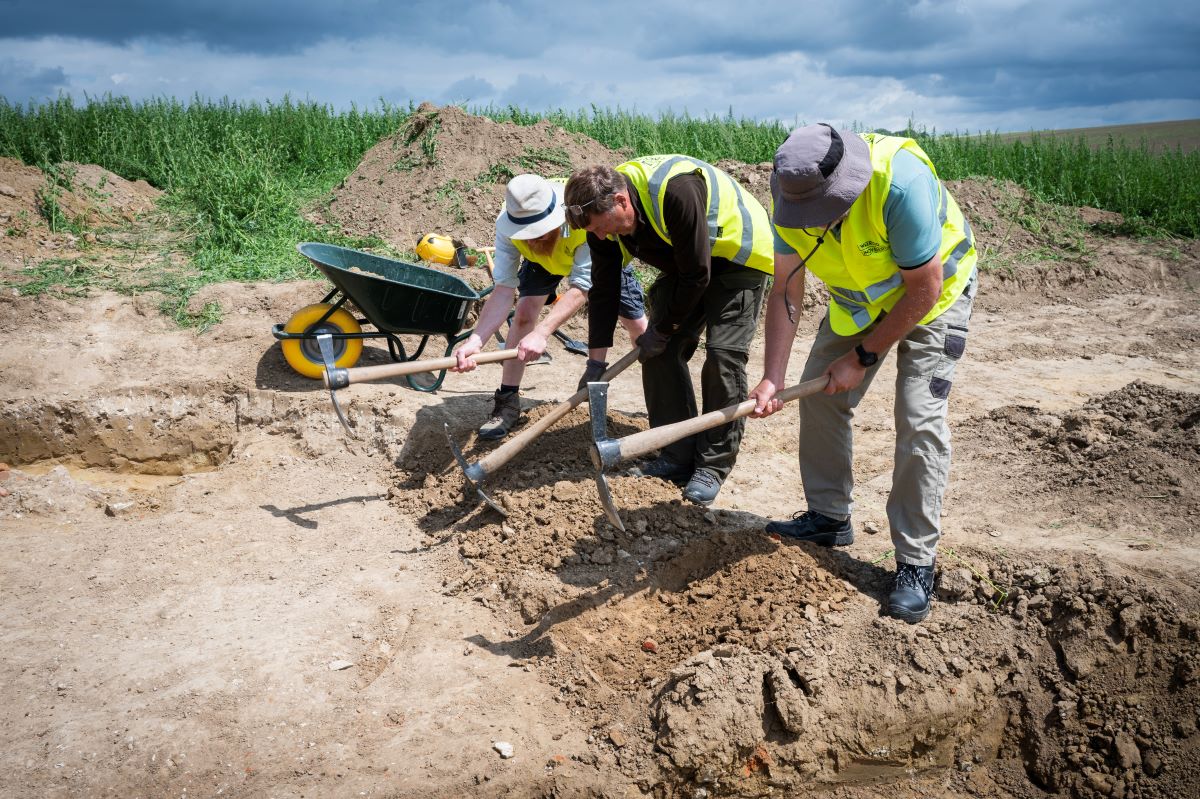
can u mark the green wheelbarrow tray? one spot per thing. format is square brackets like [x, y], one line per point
[395, 297]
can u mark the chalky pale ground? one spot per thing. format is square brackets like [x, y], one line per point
[193, 552]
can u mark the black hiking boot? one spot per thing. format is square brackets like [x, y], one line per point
[816, 527]
[505, 414]
[911, 594]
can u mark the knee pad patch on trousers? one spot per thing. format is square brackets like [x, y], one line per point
[955, 345]
[939, 387]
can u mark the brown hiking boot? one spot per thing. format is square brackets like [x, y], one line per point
[505, 414]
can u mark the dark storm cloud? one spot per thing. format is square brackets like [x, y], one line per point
[472, 89]
[991, 55]
[538, 91]
[975, 63]
[277, 26]
[21, 81]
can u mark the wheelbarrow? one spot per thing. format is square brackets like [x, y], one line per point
[395, 297]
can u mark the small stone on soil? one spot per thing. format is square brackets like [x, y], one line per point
[339, 665]
[504, 748]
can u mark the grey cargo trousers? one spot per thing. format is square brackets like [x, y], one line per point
[926, 358]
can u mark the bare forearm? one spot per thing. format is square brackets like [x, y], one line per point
[905, 314]
[780, 330]
[495, 311]
[562, 310]
[779, 333]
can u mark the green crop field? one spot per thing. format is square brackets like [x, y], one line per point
[1158, 137]
[237, 175]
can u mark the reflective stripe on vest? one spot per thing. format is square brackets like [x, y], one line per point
[863, 279]
[650, 176]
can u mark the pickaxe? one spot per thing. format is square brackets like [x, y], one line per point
[336, 378]
[608, 452]
[476, 473]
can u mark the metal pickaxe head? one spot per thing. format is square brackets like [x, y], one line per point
[605, 451]
[473, 475]
[334, 378]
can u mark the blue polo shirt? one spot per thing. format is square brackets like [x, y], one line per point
[910, 213]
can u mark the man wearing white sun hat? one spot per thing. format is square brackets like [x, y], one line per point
[535, 250]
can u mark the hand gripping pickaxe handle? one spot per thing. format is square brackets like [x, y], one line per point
[476, 473]
[336, 378]
[340, 378]
[607, 452]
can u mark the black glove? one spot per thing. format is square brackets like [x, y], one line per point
[653, 343]
[593, 372]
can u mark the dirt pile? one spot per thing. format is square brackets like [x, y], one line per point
[444, 172]
[710, 659]
[1027, 246]
[1129, 457]
[78, 195]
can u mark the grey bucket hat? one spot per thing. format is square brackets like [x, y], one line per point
[819, 173]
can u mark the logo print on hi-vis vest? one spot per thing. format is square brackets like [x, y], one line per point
[871, 248]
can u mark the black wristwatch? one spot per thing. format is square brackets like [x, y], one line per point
[866, 359]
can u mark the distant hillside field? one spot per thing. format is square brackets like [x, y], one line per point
[1183, 133]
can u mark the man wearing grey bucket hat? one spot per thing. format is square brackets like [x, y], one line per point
[868, 215]
[535, 250]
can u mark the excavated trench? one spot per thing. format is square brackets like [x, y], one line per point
[711, 660]
[127, 442]
[148, 433]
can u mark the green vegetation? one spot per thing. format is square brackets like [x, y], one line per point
[1153, 191]
[237, 175]
[1181, 134]
[76, 277]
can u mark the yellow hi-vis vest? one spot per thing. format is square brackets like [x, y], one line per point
[863, 279]
[562, 258]
[738, 226]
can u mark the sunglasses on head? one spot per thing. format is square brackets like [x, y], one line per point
[576, 214]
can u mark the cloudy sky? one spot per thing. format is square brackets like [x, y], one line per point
[954, 65]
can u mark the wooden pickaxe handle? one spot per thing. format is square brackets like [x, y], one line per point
[509, 450]
[364, 374]
[658, 437]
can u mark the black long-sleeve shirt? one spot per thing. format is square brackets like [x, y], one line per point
[689, 256]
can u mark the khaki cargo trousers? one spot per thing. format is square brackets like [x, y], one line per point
[925, 361]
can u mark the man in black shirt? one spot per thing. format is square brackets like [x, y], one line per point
[712, 242]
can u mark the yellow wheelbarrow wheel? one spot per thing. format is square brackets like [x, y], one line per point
[304, 355]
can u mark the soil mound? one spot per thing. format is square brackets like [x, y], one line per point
[1027, 246]
[444, 172]
[711, 659]
[83, 195]
[1130, 456]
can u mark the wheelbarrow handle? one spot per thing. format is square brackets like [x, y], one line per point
[638, 444]
[340, 378]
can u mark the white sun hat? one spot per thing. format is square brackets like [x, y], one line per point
[533, 206]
